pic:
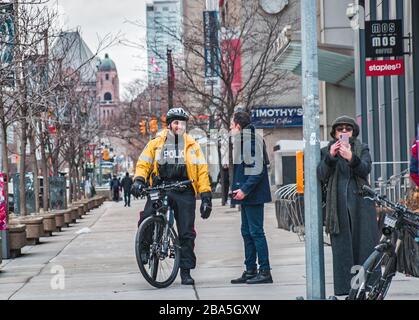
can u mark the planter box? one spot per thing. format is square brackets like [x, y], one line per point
[50, 225]
[80, 210]
[34, 228]
[85, 205]
[68, 217]
[17, 239]
[74, 214]
[59, 219]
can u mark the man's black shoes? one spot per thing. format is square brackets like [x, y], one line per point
[185, 276]
[261, 277]
[245, 276]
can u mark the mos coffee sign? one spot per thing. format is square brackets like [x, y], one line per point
[383, 38]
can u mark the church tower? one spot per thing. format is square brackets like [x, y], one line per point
[107, 89]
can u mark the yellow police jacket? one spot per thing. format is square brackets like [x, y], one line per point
[196, 165]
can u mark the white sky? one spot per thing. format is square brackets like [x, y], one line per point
[98, 18]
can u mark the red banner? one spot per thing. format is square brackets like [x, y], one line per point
[379, 68]
[231, 49]
[3, 202]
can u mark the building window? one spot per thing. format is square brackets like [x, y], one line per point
[165, 9]
[107, 96]
[107, 76]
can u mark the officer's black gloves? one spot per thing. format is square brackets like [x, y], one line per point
[206, 205]
[138, 186]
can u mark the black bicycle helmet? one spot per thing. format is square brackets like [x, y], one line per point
[176, 114]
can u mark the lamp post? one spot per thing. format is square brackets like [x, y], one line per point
[312, 202]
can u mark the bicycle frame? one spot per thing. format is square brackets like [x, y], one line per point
[400, 221]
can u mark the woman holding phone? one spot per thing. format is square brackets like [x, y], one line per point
[350, 219]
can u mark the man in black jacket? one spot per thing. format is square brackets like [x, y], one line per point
[126, 185]
[250, 189]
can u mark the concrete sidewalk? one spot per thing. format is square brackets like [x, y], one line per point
[101, 264]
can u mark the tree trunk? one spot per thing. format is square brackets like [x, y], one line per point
[34, 166]
[70, 182]
[78, 183]
[4, 150]
[22, 167]
[44, 169]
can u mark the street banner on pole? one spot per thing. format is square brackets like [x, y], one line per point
[231, 53]
[57, 194]
[3, 202]
[212, 50]
[7, 38]
[29, 193]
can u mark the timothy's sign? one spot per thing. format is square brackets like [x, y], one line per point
[277, 117]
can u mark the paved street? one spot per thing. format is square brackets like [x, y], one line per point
[101, 264]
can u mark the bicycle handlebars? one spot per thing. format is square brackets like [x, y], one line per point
[396, 206]
[181, 184]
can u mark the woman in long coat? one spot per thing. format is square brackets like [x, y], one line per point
[350, 218]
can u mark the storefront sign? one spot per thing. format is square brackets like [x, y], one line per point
[3, 202]
[277, 117]
[378, 68]
[383, 38]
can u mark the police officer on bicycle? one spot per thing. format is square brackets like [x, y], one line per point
[174, 156]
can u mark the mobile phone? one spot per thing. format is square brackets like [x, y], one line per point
[344, 137]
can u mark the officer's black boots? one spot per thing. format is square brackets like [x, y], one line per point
[185, 276]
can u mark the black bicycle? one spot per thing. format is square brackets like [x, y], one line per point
[374, 278]
[157, 246]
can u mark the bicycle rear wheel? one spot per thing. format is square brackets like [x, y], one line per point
[157, 255]
[375, 279]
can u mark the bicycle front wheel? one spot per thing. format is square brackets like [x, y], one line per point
[374, 279]
[158, 252]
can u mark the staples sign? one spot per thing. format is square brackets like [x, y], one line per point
[378, 68]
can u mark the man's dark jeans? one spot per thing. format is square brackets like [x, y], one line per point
[127, 198]
[255, 244]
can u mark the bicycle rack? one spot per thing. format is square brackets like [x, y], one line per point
[290, 212]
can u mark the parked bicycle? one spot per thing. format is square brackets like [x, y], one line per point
[157, 246]
[381, 266]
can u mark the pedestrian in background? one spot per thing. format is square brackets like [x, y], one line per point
[115, 187]
[225, 184]
[414, 163]
[351, 220]
[250, 189]
[87, 188]
[126, 185]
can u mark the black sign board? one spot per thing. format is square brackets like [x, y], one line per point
[383, 38]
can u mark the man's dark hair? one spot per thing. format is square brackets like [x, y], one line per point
[242, 118]
[127, 174]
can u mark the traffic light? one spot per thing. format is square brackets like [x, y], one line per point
[163, 121]
[143, 127]
[154, 127]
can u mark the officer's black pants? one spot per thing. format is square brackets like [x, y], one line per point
[184, 205]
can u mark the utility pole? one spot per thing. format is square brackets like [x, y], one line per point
[312, 201]
[4, 234]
